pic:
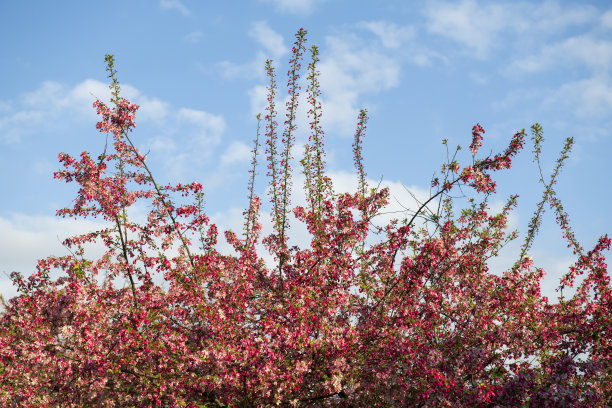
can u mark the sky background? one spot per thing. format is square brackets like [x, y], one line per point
[425, 70]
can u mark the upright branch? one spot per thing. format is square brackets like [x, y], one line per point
[307, 170]
[548, 195]
[250, 216]
[288, 135]
[271, 141]
[357, 147]
[314, 154]
[585, 261]
[112, 75]
[281, 172]
[361, 175]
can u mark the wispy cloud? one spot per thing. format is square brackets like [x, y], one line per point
[391, 35]
[468, 23]
[194, 37]
[236, 152]
[44, 106]
[354, 66]
[258, 99]
[302, 7]
[478, 25]
[585, 50]
[207, 127]
[184, 139]
[272, 41]
[175, 5]
[606, 20]
[57, 107]
[273, 47]
[552, 17]
[348, 72]
[27, 238]
[52, 102]
[587, 98]
[401, 42]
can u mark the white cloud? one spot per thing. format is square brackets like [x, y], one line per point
[518, 96]
[236, 152]
[586, 98]
[304, 7]
[351, 68]
[606, 20]
[391, 35]
[162, 144]
[176, 5]
[194, 37]
[401, 42]
[479, 78]
[49, 92]
[348, 71]
[15, 126]
[258, 96]
[54, 107]
[5, 106]
[28, 238]
[478, 25]
[274, 48]
[550, 17]
[468, 23]
[250, 70]
[271, 40]
[81, 97]
[182, 139]
[209, 127]
[152, 110]
[584, 50]
[44, 107]
[51, 102]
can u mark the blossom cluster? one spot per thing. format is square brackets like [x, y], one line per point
[404, 314]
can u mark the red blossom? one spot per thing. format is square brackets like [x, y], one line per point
[395, 315]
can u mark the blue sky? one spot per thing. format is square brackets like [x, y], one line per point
[425, 70]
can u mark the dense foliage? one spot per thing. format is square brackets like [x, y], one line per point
[411, 318]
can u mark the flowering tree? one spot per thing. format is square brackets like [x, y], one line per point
[414, 319]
